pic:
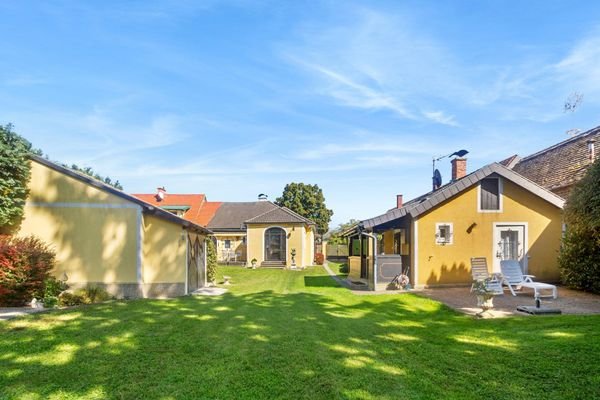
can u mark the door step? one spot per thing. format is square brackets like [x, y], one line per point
[272, 264]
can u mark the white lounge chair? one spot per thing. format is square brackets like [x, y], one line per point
[513, 277]
[479, 272]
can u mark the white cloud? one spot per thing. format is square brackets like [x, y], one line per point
[441, 118]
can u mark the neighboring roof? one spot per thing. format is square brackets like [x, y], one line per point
[208, 211]
[147, 207]
[177, 201]
[279, 215]
[422, 204]
[560, 165]
[231, 216]
[510, 161]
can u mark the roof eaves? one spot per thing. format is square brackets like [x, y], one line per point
[107, 188]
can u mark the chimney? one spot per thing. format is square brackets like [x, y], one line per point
[591, 150]
[398, 201]
[160, 193]
[459, 168]
[262, 197]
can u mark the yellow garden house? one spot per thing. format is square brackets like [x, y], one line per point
[493, 213]
[105, 237]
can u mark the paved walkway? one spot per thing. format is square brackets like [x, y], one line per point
[12, 312]
[461, 299]
[568, 301]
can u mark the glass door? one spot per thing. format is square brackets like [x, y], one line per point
[509, 244]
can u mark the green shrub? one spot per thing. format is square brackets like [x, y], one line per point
[67, 299]
[211, 261]
[344, 269]
[50, 301]
[25, 265]
[53, 287]
[579, 258]
[94, 294]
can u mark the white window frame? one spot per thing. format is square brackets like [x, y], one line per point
[500, 196]
[438, 239]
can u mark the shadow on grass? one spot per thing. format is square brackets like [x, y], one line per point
[295, 345]
[319, 281]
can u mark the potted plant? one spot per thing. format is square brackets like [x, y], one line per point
[485, 296]
[293, 254]
[253, 262]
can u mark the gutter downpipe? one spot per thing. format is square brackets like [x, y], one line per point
[374, 256]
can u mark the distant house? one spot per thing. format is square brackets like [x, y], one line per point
[108, 238]
[244, 231]
[492, 212]
[558, 168]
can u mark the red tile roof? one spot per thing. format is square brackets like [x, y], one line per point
[200, 212]
[208, 211]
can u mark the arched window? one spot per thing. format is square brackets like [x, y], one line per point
[275, 244]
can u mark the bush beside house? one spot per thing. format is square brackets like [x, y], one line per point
[25, 265]
[579, 258]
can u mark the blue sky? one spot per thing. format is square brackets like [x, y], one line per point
[237, 98]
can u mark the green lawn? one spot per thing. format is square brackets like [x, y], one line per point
[288, 334]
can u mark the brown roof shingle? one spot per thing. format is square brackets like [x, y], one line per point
[231, 216]
[558, 167]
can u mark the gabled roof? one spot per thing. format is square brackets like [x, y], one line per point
[195, 203]
[423, 204]
[146, 207]
[231, 216]
[208, 211]
[510, 161]
[560, 165]
[279, 215]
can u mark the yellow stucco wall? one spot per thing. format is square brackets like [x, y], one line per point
[94, 233]
[296, 238]
[237, 245]
[164, 251]
[309, 247]
[450, 264]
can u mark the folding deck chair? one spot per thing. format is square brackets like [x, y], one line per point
[479, 272]
[513, 277]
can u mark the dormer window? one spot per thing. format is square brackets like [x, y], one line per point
[490, 195]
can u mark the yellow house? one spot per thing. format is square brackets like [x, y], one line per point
[493, 213]
[280, 237]
[108, 238]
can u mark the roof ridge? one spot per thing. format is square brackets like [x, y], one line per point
[117, 192]
[451, 189]
[294, 213]
[559, 144]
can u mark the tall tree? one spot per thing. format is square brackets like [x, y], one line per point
[15, 171]
[335, 233]
[308, 201]
[579, 258]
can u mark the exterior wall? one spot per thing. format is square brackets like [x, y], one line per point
[309, 246]
[296, 238]
[450, 264]
[102, 239]
[237, 246]
[94, 233]
[164, 265]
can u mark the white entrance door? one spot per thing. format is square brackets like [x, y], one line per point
[510, 243]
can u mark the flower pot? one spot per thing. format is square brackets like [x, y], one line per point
[485, 301]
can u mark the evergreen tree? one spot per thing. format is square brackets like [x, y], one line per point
[579, 258]
[15, 171]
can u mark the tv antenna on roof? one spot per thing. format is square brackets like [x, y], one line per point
[437, 177]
